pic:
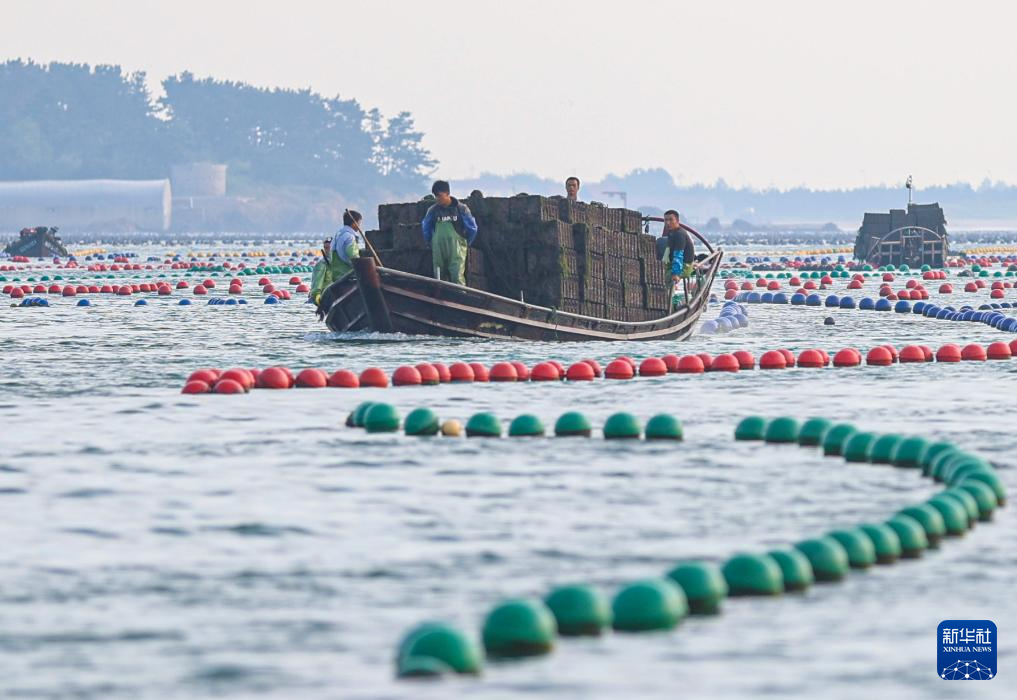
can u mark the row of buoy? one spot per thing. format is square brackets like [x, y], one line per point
[523, 627]
[622, 368]
[732, 316]
[379, 417]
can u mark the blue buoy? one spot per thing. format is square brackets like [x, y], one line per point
[271, 299]
[231, 302]
[814, 300]
[918, 307]
[780, 298]
[943, 313]
[930, 311]
[847, 303]
[798, 299]
[742, 320]
[866, 304]
[141, 302]
[84, 302]
[185, 302]
[902, 306]
[833, 301]
[724, 324]
[708, 327]
[766, 297]
[241, 301]
[883, 304]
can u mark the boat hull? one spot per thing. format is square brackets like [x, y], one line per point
[380, 299]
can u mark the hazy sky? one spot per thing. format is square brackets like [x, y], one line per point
[761, 93]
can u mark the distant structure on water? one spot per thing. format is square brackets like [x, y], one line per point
[87, 205]
[914, 237]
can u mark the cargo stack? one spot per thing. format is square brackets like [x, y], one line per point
[576, 257]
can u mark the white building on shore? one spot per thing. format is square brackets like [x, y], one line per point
[86, 205]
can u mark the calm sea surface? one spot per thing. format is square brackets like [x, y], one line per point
[156, 545]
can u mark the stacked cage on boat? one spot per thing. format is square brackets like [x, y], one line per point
[573, 256]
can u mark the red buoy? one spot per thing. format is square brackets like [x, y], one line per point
[444, 375]
[948, 353]
[240, 376]
[199, 290]
[406, 376]
[1013, 347]
[204, 375]
[894, 355]
[503, 372]
[847, 357]
[911, 353]
[772, 359]
[652, 367]
[273, 378]
[428, 374]
[998, 351]
[343, 379]
[374, 377]
[789, 357]
[619, 369]
[595, 365]
[544, 372]
[227, 386]
[671, 362]
[460, 372]
[946, 289]
[195, 386]
[628, 359]
[746, 360]
[707, 359]
[579, 372]
[725, 363]
[522, 371]
[879, 356]
[691, 364]
[480, 373]
[970, 287]
[997, 294]
[974, 351]
[811, 358]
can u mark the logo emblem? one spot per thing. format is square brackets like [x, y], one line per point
[967, 650]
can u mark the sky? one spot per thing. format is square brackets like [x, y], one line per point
[765, 94]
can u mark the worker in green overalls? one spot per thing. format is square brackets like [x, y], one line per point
[450, 229]
[338, 254]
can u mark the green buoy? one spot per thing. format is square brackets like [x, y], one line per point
[442, 642]
[882, 448]
[938, 463]
[990, 479]
[795, 569]
[885, 541]
[957, 467]
[966, 501]
[664, 426]
[519, 628]
[909, 453]
[703, 584]
[358, 413]
[812, 431]
[573, 424]
[955, 516]
[381, 418]
[751, 428]
[860, 550]
[835, 437]
[526, 425]
[753, 574]
[828, 559]
[930, 520]
[579, 610]
[422, 421]
[780, 430]
[422, 667]
[483, 425]
[935, 449]
[913, 541]
[650, 604]
[984, 496]
[856, 447]
[622, 425]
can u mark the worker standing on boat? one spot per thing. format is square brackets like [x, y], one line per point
[675, 247]
[450, 229]
[338, 254]
[572, 188]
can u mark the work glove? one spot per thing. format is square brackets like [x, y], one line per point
[688, 270]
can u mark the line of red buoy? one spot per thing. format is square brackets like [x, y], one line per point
[238, 380]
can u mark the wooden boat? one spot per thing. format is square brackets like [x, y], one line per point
[38, 242]
[380, 299]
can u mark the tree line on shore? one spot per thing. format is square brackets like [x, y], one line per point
[76, 121]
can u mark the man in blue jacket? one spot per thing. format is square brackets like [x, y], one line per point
[449, 228]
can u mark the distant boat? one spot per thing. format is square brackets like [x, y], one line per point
[38, 242]
[914, 237]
